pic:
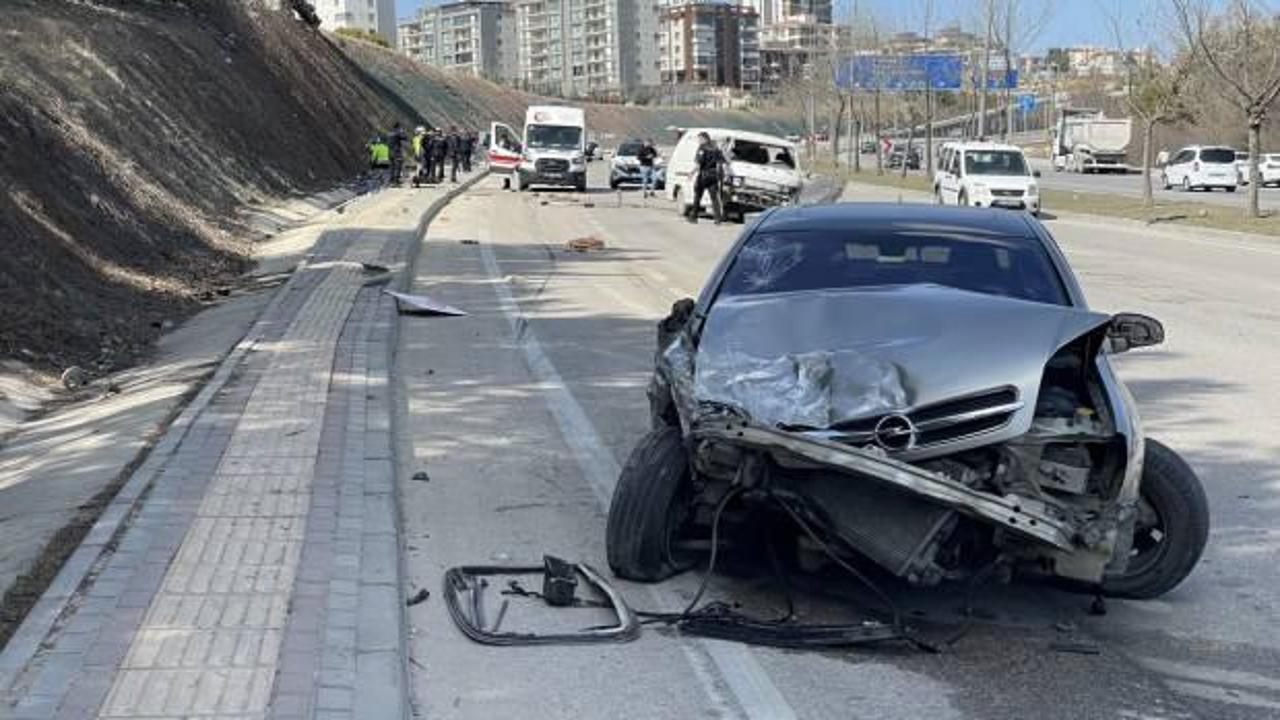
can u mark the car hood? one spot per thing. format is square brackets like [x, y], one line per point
[768, 173]
[1003, 181]
[815, 359]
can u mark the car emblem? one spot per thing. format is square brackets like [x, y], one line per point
[895, 433]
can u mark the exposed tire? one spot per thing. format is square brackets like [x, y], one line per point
[648, 503]
[522, 184]
[613, 184]
[1169, 542]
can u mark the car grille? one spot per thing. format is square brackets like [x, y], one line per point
[1007, 193]
[939, 423]
[552, 165]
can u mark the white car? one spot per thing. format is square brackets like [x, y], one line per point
[1202, 166]
[982, 174]
[625, 167]
[1269, 166]
[1242, 167]
[762, 171]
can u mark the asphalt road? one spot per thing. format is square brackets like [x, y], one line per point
[521, 413]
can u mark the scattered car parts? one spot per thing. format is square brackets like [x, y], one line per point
[560, 582]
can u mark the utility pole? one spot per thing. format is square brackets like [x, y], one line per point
[985, 73]
[1010, 5]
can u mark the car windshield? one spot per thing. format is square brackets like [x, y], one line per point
[958, 257]
[994, 162]
[629, 150]
[1217, 155]
[761, 154]
[562, 137]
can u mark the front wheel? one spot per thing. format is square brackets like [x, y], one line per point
[1186, 183]
[1164, 179]
[1171, 529]
[650, 503]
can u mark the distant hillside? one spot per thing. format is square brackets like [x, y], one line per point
[452, 99]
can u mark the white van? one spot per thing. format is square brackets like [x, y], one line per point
[983, 174]
[1204, 167]
[763, 171]
[554, 153]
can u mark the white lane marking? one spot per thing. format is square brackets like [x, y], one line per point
[747, 680]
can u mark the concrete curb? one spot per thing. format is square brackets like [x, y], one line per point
[24, 645]
[397, 417]
[26, 642]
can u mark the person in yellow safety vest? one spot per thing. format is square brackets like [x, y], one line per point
[416, 144]
[379, 153]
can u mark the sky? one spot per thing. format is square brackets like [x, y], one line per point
[1062, 22]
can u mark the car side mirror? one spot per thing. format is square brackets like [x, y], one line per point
[1035, 173]
[1131, 330]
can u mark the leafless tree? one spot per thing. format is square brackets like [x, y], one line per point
[1018, 23]
[1241, 45]
[1156, 91]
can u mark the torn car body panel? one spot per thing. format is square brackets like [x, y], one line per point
[872, 385]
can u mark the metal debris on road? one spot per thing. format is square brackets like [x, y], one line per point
[421, 476]
[421, 305]
[470, 580]
[418, 597]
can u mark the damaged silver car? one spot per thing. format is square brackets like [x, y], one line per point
[928, 386]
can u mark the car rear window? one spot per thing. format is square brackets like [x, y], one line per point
[1217, 155]
[962, 258]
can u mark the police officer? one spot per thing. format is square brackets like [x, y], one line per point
[395, 141]
[709, 162]
[468, 149]
[440, 151]
[455, 153]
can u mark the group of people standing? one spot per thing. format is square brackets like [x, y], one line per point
[432, 150]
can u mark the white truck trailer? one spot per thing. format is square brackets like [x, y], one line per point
[1086, 141]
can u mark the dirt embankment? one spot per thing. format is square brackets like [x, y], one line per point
[452, 99]
[132, 134]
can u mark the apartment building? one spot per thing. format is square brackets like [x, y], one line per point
[710, 44]
[476, 37]
[586, 48]
[372, 15]
[773, 12]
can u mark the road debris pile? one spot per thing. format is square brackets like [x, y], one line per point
[587, 243]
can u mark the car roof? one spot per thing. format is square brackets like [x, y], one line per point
[1207, 147]
[720, 133]
[987, 146]
[890, 216]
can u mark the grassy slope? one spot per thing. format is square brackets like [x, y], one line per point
[132, 133]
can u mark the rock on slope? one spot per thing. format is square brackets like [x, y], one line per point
[132, 132]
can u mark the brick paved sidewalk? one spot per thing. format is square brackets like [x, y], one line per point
[259, 576]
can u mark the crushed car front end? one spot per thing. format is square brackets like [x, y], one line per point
[939, 430]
